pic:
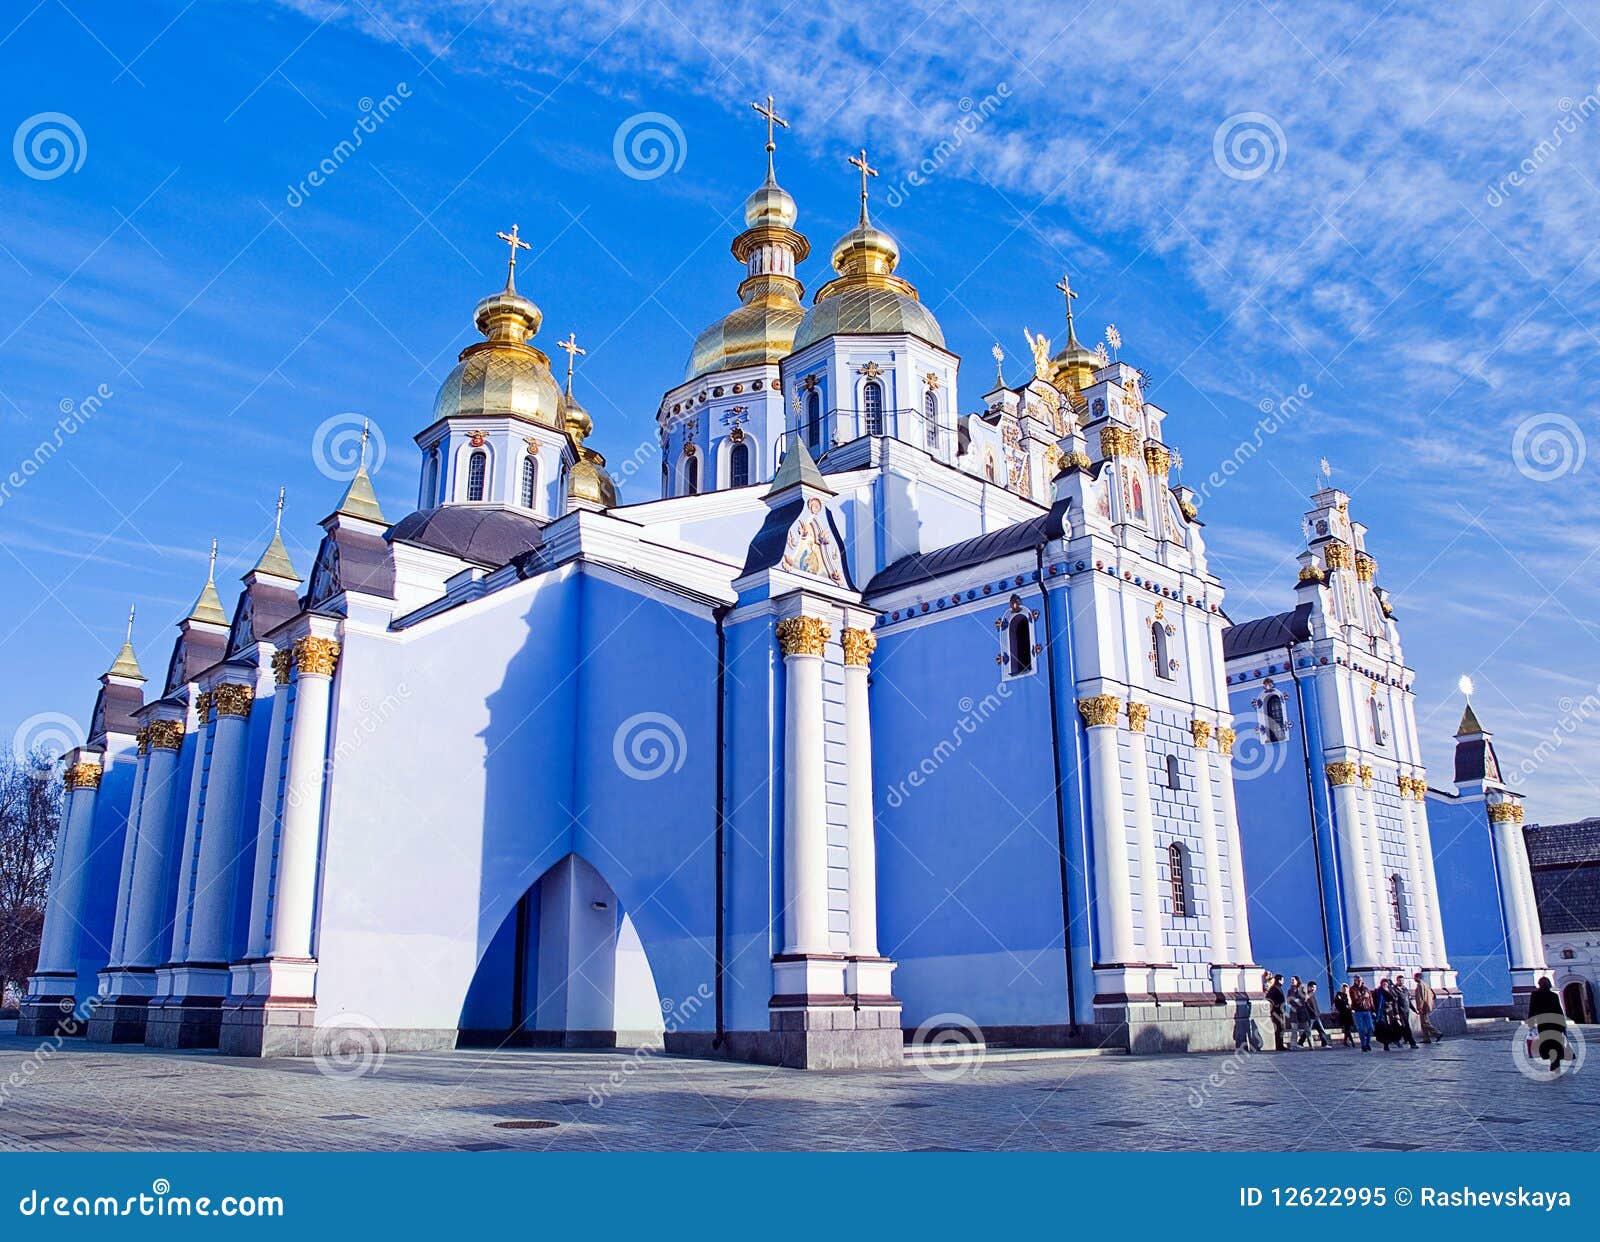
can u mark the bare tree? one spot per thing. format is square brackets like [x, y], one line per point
[30, 814]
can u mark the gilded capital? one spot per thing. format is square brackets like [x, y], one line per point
[1117, 442]
[82, 776]
[807, 636]
[1503, 812]
[233, 700]
[282, 666]
[1336, 556]
[202, 707]
[1366, 776]
[1138, 716]
[316, 656]
[1311, 573]
[1225, 738]
[1158, 457]
[1516, 813]
[141, 739]
[858, 647]
[1200, 730]
[1342, 773]
[1100, 709]
[166, 734]
[1366, 567]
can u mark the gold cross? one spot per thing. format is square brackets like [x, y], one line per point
[573, 350]
[1065, 285]
[514, 240]
[772, 119]
[866, 171]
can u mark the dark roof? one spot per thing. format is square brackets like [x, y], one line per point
[1565, 862]
[484, 536]
[1267, 633]
[1008, 540]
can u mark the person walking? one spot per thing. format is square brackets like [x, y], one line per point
[1275, 1008]
[1425, 1000]
[1346, 1016]
[1383, 1013]
[1548, 1023]
[1298, 1025]
[1362, 1006]
[1402, 1009]
[1314, 1016]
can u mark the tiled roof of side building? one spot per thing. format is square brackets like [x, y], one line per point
[1551, 844]
[1008, 540]
[1267, 633]
[1565, 862]
[486, 536]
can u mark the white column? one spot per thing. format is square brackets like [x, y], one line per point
[267, 820]
[1353, 867]
[294, 897]
[805, 823]
[1112, 883]
[1152, 944]
[191, 832]
[1216, 916]
[130, 848]
[1514, 900]
[1430, 876]
[212, 919]
[58, 940]
[147, 906]
[1420, 870]
[858, 647]
[1383, 912]
[1241, 951]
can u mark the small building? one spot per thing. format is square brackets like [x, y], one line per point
[1565, 859]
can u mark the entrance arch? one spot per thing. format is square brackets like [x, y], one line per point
[566, 969]
[1577, 999]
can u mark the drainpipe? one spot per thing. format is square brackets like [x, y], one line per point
[719, 614]
[1311, 808]
[1061, 811]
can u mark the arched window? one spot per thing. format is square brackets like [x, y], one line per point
[1019, 645]
[814, 419]
[1158, 651]
[530, 480]
[988, 467]
[1276, 727]
[1172, 772]
[477, 467]
[691, 476]
[872, 408]
[930, 418]
[1379, 736]
[1178, 876]
[739, 465]
[1398, 904]
[430, 480]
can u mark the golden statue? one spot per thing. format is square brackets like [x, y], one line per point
[1040, 345]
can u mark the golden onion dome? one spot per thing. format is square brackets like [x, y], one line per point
[760, 331]
[867, 298]
[770, 206]
[865, 251]
[588, 481]
[575, 418]
[1074, 364]
[503, 374]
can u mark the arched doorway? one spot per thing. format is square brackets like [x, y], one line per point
[566, 969]
[1577, 999]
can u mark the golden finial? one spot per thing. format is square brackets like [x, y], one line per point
[772, 119]
[514, 240]
[999, 356]
[860, 161]
[573, 350]
[1065, 285]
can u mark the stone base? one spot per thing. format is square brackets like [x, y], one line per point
[188, 1022]
[267, 1030]
[1449, 1014]
[1204, 1022]
[50, 1016]
[839, 1036]
[119, 1020]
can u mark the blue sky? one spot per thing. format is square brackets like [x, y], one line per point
[1391, 212]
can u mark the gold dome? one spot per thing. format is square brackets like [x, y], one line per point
[867, 298]
[760, 331]
[1074, 364]
[865, 251]
[588, 481]
[503, 374]
[770, 205]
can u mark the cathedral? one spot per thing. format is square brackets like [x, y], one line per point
[892, 714]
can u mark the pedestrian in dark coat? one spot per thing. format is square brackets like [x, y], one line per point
[1345, 1014]
[1276, 1007]
[1549, 1024]
[1402, 1009]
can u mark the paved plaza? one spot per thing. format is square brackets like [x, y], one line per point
[1464, 1094]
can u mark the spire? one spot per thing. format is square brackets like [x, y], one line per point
[275, 560]
[772, 119]
[127, 664]
[1469, 726]
[514, 240]
[797, 469]
[360, 501]
[208, 607]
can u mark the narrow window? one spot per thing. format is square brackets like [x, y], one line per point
[872, 408]
[1378, 734]
[739, 465]
[1158, 651]
[814, 419]
[691, 476]
[430, 480]
[1397, 902]
[1177, 866]
[1277, 726]
[1172, 772]
[930, 418]
[530, 480]
[477, 466]
[1020, 642]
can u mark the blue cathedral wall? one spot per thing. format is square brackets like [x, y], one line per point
[969, 872]
[1469, 901]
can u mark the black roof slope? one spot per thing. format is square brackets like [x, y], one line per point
[1267, 633]
[924, 566]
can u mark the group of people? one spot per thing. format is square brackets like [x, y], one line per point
[1363, 1013]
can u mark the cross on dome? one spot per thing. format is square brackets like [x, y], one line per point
[573, 350]
[772, 119]
[513, 239]
[860, 161]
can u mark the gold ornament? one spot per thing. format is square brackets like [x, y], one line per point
[1158, 457]
[1225, 738]
[1366, 567]
[1100, 709]
[1311, 573]
[858, 647]
[1079, 460]
[1200, 730]
[1342, 773]
[1138, 716]
[1336, 556]
[1502, 812]
[1117, 442]
[141, 738]
[202, 707]
[282, 666]
[316, 656]
[803, 636]
[233, 700]
[166, 734]
[1366, 776]
[82, 776]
